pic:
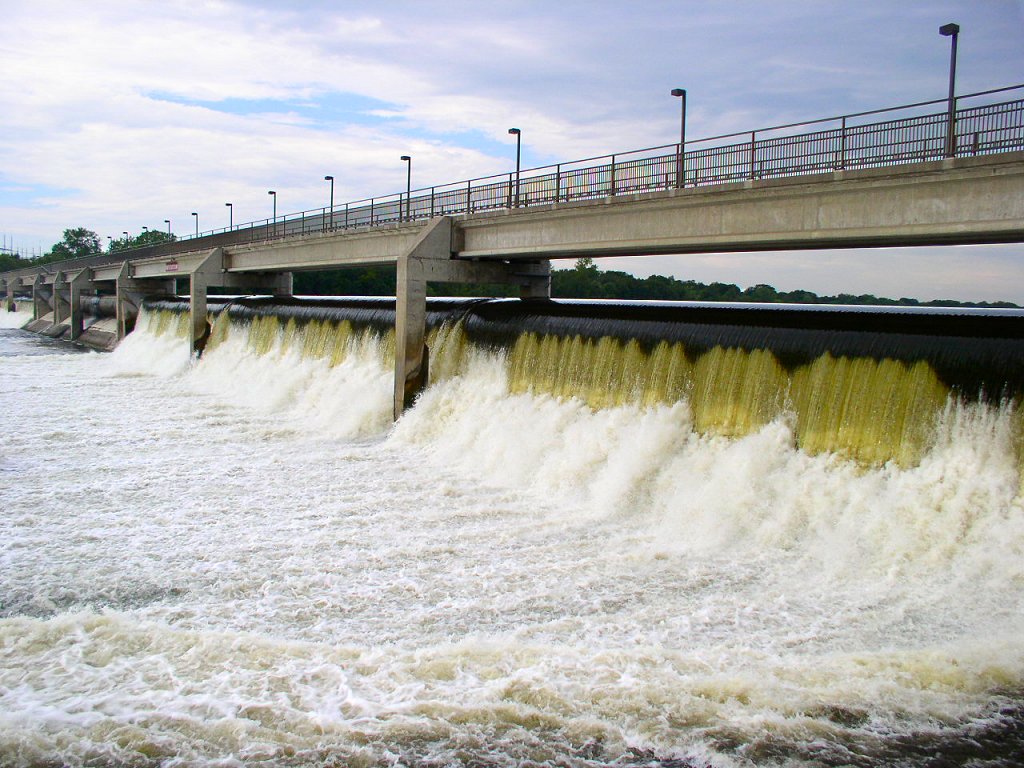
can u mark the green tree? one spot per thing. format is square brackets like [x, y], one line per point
[75, 244]
[141, 240]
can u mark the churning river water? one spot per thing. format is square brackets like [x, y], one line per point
[240, 562]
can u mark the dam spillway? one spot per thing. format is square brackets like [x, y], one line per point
[867, 384]
[262, 568]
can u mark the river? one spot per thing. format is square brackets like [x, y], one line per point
[240, 562]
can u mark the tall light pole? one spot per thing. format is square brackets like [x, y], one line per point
[331, 179]
[273, 194]
[197, 222]
[231, 216]
[951, 30]
[168, 223]
[519, 153]
[681, 155]
[145, 229]
[408, 188]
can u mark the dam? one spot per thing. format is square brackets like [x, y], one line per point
[603, 534]
[599, 534]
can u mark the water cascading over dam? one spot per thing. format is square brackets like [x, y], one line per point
[605, 534]
[866, 384]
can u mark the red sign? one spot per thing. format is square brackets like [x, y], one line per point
[172, 266]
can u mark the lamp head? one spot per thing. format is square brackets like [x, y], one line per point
[328, 178]
[405, 157]
[947, 30]
[514, 131]
[678, 91]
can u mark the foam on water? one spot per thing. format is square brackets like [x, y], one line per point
[235, 561]
[14, 319]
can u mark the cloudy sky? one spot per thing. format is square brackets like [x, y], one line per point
[118, 115]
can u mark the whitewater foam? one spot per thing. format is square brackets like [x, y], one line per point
[236, 561]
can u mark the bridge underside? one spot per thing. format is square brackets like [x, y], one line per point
[973, 200]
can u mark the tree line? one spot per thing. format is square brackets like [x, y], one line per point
[80, 242]
[584, 281]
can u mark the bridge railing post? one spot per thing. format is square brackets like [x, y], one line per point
[558, 182]
[842, 145]
[611, 186]
[753, 154]
[469, 197]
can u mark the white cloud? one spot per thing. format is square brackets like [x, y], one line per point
[92, 91]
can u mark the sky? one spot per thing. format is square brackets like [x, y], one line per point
[118, 115]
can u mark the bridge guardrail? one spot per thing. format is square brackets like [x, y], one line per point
[844, 142]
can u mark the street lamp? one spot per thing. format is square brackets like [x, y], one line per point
[145, 229]
[231, 216]
[519, 147]
[273, 194]
[951, 31]
[197, 222]
[331, 179]
[408, 189]
[681, 156]
[168, 223]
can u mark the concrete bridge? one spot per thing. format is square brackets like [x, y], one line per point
[974, 199]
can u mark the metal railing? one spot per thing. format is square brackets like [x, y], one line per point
[853, 141]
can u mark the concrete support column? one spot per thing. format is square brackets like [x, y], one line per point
[130, 292]
[9, 285]
[412, 358]
[199, 324]
[61, 304]
[40, 298]
[535, 280]
[284, 284]
[77, 284]
[209, 273]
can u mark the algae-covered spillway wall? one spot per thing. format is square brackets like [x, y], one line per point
[867, 383]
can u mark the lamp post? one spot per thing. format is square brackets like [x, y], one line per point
[681, 156]
[951, 31]
[331, 179]
[168, 223]
[273, 194]
[408, 188]
[197, 222]
[145, 230]
[519, 147]
[231, 216]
